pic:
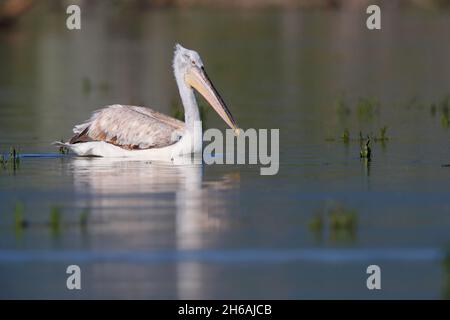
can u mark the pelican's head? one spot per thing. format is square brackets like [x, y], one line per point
[189, 65]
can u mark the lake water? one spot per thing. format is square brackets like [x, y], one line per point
[224, 231]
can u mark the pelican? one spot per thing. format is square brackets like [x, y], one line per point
[139, 132]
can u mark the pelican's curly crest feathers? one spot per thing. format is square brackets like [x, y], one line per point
[177, 49]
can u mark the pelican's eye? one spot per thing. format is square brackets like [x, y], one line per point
[193, 62]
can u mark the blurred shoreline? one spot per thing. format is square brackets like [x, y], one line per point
[12, 10]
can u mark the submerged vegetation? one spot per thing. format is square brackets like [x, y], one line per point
[337, 220]
[367, 108]
[316, 223]
[19, 216]
[382, 136]
[63, 149]
[342, 218]
[365, 151]
[446, 276]
[364, 143]
[55, 219]
[54, 222]
[443, 108]
[346, 136]
[12, 161]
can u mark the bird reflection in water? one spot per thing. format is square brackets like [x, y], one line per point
[153, 206]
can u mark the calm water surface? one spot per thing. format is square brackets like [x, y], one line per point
[197, 231]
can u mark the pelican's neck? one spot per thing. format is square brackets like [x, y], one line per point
[191, 114]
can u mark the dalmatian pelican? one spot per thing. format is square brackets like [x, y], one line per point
[139, 132]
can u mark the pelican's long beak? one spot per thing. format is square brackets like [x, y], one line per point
[198, 79]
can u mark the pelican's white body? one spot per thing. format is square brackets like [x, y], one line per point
[190, 142]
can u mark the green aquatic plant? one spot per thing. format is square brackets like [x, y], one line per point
[19, 216]
[342, 218]
[366, 152]
[445, 121]
[360, 139]
[367, 107]
[382, 135]
[55, 219]
[316, 223]
[345, 136]
[444, 106]
[343, 223]
[63, 149]
[446, 275]
[338, 221]
[14, 155]
[10, 162]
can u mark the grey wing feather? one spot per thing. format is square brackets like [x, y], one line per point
[130, 127]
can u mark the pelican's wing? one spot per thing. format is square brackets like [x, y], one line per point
[129, 127]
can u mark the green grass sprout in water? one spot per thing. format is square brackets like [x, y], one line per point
[55, 219]
[340, 222]
[444, 109]
[63, 149]
[382, 137]
[316, 223]
[14, 155]
[367, 108]
[342, 218]
[345, 136]
[446, 275]
[12, 161]
[366, 152]
[19, 216]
